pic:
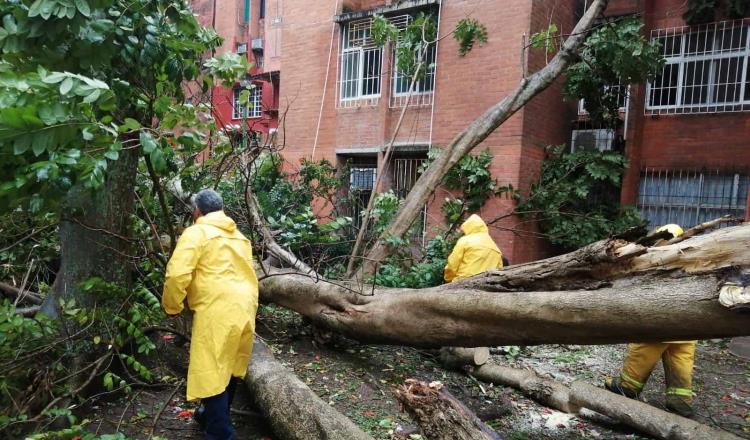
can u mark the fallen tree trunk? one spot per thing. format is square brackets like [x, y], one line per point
[545, 391]
[642, 416]
[294, 411]
[664, 293]
[705, 226]
[440, 415]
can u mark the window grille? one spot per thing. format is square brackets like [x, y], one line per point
[255, 99]
[622, 92]
[424, 87]
[707, 69]
[360, 65]
[405, 175]
[361, 182]
[601, 139]
[690, 197]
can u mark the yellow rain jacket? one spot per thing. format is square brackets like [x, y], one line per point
[213, 266]
[475, 252]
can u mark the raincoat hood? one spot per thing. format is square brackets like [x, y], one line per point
[473, 224]
[218, 219]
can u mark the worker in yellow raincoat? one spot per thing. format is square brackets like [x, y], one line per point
[475, 252]
[677, 357]
[212, 266]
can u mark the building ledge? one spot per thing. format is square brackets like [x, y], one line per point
[402, 6]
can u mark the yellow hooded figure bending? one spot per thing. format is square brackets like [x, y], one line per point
[212, 266]
[475, 252]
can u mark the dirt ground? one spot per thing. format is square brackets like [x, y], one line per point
[359, 380]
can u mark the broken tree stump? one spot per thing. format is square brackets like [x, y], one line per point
[294, 411]
[440, 415]
[642, 416]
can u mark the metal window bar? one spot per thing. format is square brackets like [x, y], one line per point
[601, 139]
[360, 66]
[255, 98]
[690, 197]
[422, 95]
[623, 98]
[361, 182]
[405, 175]
[706, 69]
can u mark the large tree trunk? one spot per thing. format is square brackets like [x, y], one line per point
[666, 293]
[474, 134]
[293, 410]
[94, 238]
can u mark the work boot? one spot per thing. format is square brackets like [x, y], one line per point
[614, 384]
[679, 406]
[199, 415]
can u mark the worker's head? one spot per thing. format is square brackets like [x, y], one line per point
[473, 224]
[672, 228]
[206, 202]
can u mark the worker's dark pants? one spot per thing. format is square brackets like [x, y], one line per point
[218, 423]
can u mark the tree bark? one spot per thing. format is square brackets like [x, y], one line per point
[545, 391]
[457, 357]
[440, 415]
[294, 411]
[93, 234]
[666, 293]
[642, 416]
[474, 134]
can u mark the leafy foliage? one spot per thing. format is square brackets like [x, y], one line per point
[700, 11]
[615, 53]
[410, 44]
[468, 32]
[576, 199]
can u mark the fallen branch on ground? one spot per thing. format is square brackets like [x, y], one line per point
[294, 411]
[14, 292]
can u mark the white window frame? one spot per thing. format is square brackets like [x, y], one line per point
[582, 102]
[365, 50]
[255, 98]
[683, 58]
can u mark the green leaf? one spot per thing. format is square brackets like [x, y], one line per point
[36, 8]
[128, 125]
[66, 85]
[147, 142]
[21, 145]
[83, 7]
[93, 96]
[38, 148]
[158, 161]
[112, 155]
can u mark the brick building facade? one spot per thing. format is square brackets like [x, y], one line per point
[342, 97]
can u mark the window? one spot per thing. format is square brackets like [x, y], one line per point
[262, 6]
[707, 69]
[690, 197]
[255, 99]
[361, 63]
[619, 91]
[406, 172]
[361, 182]
[424, 87]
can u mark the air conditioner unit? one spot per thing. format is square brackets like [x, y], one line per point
[594, 139]
[241, 48]
[258, 44]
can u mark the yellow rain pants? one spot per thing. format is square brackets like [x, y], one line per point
[677, 357]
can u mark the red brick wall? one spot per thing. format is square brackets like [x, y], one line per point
[465, 88]
[714, 141]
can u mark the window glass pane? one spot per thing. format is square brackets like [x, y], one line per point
[372, 65]
[664, 87]
[727, 80]
[350, 74]
[695, 82]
